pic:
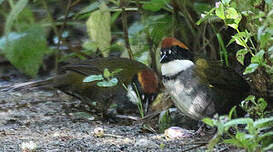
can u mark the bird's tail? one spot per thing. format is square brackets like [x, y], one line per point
[28, 85]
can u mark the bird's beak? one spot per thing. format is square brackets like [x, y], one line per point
[162, 57]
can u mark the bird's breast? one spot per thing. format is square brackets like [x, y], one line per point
[189, 96]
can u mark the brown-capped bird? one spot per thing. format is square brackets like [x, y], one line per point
[138, 78]
[199, 88]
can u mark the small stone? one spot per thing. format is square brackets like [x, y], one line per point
[98, 132]
[177, 132]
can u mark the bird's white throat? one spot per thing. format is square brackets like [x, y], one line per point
[175, 66]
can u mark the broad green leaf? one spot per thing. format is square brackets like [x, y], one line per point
[232, 17]
[99, 28]
[92, 78]
[26, 52]
[240, 55]
[19, 6]
[154, 5]
[258, 58]
[111, 83]
[232, 13]
[251, 68]
[12, 37]
[106, 73]
[220, 11]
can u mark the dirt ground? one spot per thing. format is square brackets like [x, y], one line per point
[39, 120]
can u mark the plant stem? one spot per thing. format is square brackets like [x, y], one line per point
[123, 3]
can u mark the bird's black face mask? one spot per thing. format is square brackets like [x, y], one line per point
[174, 53]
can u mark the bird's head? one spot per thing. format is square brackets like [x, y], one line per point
[173, 49]
[145, 84]
[175, 57]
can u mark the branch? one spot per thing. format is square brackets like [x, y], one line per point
[125, 28]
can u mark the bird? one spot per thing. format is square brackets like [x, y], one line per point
[199, 88]
[135, 80]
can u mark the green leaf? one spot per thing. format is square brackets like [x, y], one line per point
[233, 110]
[106, 73]
[232, 18]
[154, 5]
[116, 71]
[111, 83]
[19, 6]
[208, 121]
[99, 28]
[92, 78]
[164, 120]
[238, 121]
[206, 17]
[26, 51]
[225, 2]
[90, 7]
[258, 58]
[240, 55]
[263, 122]
[269, 147]
[220, 11]
[251, 68]
[231, 13]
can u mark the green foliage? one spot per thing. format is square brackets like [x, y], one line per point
[19, 6]
[251, 135]
[154, 5]
[254, 108]
[258, 23]
[138, 98]
[164, 120]
[26, 50]
[105, 80]
[99, 28]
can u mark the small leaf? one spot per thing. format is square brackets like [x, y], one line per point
[258, 58]
[251, 68]
[106, 73]
[240, 55]
[116, 71]
[111, 83]
[220, 11]
[92, 78]
[208, 121]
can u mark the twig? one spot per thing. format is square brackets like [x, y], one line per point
[125, 28]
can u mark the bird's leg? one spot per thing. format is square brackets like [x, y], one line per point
[203, 129]
[146, 106]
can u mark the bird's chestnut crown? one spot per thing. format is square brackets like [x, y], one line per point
[173, 49]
